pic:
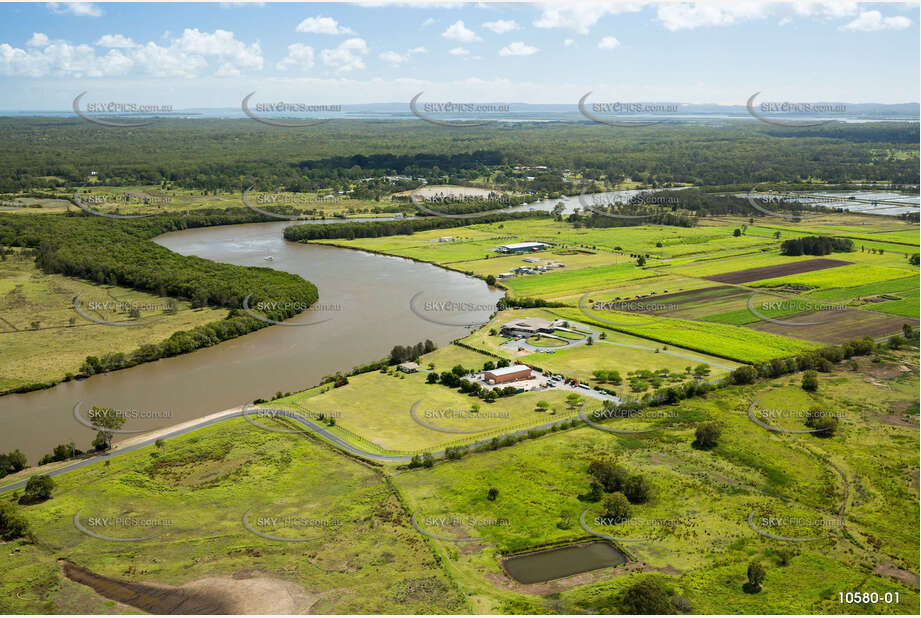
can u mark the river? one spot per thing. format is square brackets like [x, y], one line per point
[364, 310]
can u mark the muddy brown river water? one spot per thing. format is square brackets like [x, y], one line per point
[364, 307]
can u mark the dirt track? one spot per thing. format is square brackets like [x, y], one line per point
[209, 595]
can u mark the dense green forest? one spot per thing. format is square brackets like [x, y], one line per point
[120, 252]
[376, 229]
[228, 155]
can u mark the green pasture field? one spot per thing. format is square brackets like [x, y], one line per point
[192, 494]
[446, 357]
[39, 340]
[558, 284]
[870, 289]
[840, 277]
[696, 521]
[647, 282]
[719, 264]
[722, 340]
[907, 306]
[496, 265]
[376, 407]
[616, 352]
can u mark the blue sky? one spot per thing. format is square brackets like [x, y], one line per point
[211, 54]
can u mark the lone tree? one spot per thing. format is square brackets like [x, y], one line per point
[106, 420]
[707, 435]
[617, 507]
[810, 381]
[755, 576]
[38, 489]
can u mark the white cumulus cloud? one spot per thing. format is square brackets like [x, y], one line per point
[459, 51]
[187, 56]
[687, 16]
[300, 57]
[501, 26]
[39, 39]
[608, 42]
[348, 56]
[115, 41]
[459, 32]
[871, 21]
[518, 48]
[322, 25]
[396, 58]
[581, 16]
[81, 9]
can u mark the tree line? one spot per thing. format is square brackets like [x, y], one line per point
[376, 229]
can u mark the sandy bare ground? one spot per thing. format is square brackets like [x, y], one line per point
[159, 433]
[208, 595]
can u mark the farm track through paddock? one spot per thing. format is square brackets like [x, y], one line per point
[781, 270]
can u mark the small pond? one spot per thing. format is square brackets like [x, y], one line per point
[541, 566]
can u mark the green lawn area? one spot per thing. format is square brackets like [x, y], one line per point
[616, 353]
[376, 407]
[546, 342]
[195, 490]
[446, 357]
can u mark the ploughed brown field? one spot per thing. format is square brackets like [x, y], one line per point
[837, 326]
[780, 270]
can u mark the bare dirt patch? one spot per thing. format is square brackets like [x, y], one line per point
[248, 594]
[890, 570]
[780, 270]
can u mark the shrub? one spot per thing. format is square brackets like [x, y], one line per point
[746, 374]
[647, 596]
[617, 507]
[12, 524]
[38, 489]
[810, 381]
[756, 575]
[707, 435]
[825, 424]
[637, 489]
